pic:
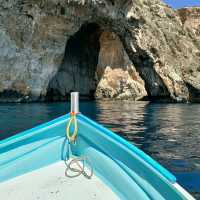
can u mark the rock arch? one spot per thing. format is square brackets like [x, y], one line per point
[96, 64]
[33, 40]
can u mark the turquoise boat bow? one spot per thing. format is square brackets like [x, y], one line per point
[128, 171]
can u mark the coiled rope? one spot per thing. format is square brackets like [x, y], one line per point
[76, 165]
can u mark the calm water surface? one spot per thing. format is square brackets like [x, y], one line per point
[170, 133]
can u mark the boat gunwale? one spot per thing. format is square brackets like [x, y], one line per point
[62, 119]
[153, 163]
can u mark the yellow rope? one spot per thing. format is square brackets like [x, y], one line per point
[71, 170]
[72, 136]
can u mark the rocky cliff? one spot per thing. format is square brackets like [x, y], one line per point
[190, 18]
[123, 49]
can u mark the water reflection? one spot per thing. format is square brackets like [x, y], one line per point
[173, 134]
[124, 118]
[170, 133]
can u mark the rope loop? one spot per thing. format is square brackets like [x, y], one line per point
[75, 166]
[73, 121]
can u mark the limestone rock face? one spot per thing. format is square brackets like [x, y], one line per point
[117, 76]
[190, 18]
[113, 49]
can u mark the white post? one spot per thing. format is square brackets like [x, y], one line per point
[74, 102]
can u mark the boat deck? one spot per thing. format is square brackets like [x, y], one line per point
[51, 183]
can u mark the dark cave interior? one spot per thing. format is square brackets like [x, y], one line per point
[78, 68]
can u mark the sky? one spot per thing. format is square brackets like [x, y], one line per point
[182, 3]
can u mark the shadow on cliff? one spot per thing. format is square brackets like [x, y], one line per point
[194, 93]
[77, 71]
[144, 64]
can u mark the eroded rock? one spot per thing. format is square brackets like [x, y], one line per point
[116, 73]
[190, 18]
[155, 56]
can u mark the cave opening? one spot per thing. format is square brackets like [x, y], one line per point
[78, 68]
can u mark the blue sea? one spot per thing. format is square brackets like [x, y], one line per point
[170, 133]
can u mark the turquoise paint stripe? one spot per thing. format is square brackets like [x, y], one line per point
[14, 158]
[32, 149]
[164, 172]
[33, 160]
[31, 132]
[128, 170]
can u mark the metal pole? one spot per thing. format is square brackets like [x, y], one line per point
[74, 102]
